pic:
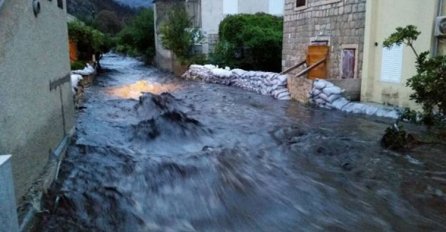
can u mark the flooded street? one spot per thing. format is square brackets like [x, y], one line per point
[191, 156]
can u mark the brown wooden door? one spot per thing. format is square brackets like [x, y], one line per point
[315, 54]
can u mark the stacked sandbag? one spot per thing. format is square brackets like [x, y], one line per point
[265, 83]
[326, 95]
[75, 80]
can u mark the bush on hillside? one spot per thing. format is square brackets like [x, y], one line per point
[250, 41]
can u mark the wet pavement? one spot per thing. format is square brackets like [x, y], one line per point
[191, 156]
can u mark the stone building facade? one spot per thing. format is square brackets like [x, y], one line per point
[340, 24]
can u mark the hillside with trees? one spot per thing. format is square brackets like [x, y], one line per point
[87, 11]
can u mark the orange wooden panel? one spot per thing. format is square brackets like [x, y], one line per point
[315, 54]
[73, 51]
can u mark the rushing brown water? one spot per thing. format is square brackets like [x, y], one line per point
[205, 157]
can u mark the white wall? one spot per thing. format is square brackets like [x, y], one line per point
[230, 7]
[211, 15]
[382, 18]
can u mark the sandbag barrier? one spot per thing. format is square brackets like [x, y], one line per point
[325, 94]
[265, 83]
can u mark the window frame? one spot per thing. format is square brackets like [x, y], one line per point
[398, 58]
[60, 4]
[356, 68]
[315, 4]
[305, 6]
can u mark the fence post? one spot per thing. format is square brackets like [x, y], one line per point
[8, 208]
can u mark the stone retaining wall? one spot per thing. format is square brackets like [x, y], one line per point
[300, 89]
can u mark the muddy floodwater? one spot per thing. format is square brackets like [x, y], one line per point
[191, 156]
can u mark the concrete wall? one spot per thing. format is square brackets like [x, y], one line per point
[340, 22]
[163, 57]
[33, 52]
[382, 18]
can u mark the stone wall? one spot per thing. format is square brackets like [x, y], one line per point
[300, 88]
[340, 22]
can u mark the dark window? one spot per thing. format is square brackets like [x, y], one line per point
[60, 4]
[301, 3]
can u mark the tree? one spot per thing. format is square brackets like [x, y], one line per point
[89, 40]
[138, 38]
[429, 83]
[178, 34]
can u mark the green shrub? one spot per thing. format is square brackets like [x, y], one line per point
[429, 83]
[396, 138]
[250, 41]
[79, 64]
[138, 38]
[89, 40]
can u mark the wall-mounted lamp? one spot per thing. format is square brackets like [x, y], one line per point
[36, 7]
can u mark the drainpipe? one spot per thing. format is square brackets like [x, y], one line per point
[437, 40]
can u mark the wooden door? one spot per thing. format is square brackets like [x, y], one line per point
[315, 54]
